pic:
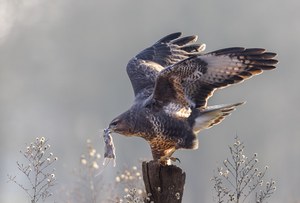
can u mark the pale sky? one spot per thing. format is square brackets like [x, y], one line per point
[62, 76]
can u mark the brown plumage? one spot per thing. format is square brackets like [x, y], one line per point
[172, 81]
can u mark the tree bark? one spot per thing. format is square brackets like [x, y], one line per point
[164, 184]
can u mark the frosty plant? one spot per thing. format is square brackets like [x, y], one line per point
[38, 170]
[131, 180]
[239, 177]
[88, 186]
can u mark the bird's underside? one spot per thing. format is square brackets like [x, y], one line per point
[172, 81]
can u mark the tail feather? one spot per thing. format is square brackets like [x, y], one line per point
[213, 115]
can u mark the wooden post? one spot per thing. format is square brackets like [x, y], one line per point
[164, 184]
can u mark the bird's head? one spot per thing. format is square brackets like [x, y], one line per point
[122, 125]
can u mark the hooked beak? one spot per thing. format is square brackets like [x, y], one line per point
[120, 126]
[113, 125]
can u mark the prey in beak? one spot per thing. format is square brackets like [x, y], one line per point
[109, 148]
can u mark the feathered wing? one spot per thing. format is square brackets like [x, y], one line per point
[144, 68]
[225, 67]
[212, 115]
[193, 80]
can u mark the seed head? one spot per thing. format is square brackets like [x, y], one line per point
[95, 165]
[92, 152]
[42, 140]
[118, 179]
[83, 161]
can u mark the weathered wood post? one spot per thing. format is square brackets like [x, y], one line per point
[164, 184]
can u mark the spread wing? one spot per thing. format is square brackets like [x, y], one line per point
[144, 68]
[189, 83]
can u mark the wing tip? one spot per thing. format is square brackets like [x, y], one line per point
[170, 37]
[183, 41]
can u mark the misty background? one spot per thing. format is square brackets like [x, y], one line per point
[62, 76]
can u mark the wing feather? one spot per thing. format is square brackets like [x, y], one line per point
[169, 37]
[185, 40]
[225, 67]
[145, 67]
[196, 78]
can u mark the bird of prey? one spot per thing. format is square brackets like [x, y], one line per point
[172, 81]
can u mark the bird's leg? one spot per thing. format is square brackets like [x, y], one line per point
[167, 158]
[163, 154]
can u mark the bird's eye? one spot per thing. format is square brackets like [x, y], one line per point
[114, 122]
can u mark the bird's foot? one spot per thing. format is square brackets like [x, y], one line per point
[174, 159]
[168, 160]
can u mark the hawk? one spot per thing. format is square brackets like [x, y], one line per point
[172, 81]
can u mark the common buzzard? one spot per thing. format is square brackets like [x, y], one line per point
[172, 81]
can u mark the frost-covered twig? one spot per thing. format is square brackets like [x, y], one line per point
[38, 170]
[239, 177]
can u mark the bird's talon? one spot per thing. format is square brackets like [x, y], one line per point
[168, 160]
[174, 159]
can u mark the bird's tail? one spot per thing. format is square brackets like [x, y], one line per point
[213, 115]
